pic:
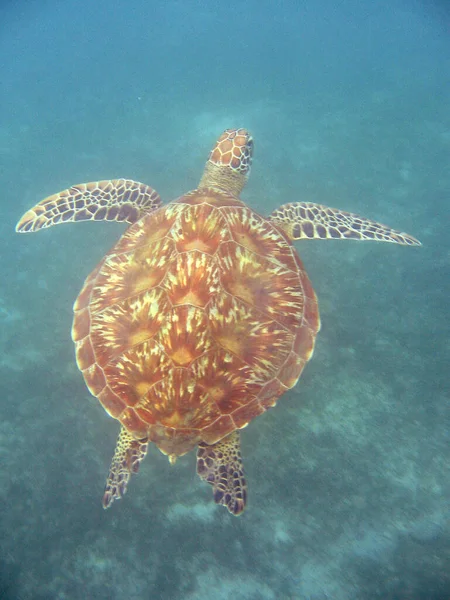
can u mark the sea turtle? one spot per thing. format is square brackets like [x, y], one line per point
[201, 316]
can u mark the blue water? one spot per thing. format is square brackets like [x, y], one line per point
[348, 477]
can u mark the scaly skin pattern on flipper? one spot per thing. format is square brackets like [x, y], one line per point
[221, 466]
[128, 455]
[309, 221]
[110, 200]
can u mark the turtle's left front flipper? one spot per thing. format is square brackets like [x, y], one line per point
[307, 220]
[221, 466]
[109, 200]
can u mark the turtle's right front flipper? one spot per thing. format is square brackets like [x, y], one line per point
[307, 220]
[109, 200]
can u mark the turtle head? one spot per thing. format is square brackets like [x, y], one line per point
[229, 162]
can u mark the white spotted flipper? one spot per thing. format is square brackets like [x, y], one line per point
[108, 200]
[306, 220]
[128, 455]
[221, 466]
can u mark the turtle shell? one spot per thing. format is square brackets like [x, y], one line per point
[197, 321]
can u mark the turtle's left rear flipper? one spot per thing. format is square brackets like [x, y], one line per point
[127, 457]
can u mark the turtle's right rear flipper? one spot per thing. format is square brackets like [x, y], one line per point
[220, 465]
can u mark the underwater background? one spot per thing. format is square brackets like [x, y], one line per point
[349, 480]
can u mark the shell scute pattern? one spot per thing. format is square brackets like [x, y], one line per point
[249, 335]
[202, 228]
[257, 235]
[226, 379]
[192, 279]
[262, 283]
[128, 323]
[194, 323]
[141, 233]
[133, 374]
[127, 274]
